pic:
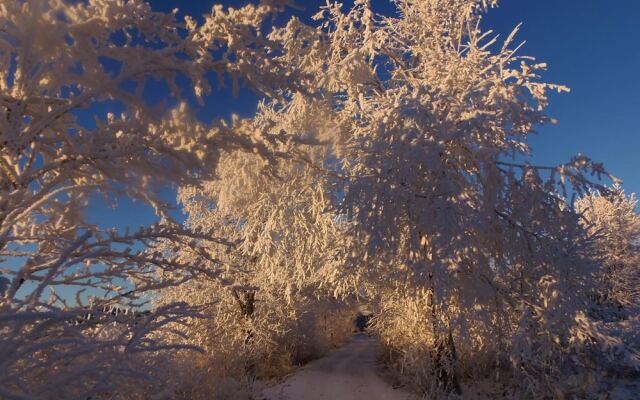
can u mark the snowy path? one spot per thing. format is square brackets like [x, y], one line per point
[349, 373]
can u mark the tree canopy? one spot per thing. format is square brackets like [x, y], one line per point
[384, 163]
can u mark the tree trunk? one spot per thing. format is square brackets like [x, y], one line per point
[246, 302]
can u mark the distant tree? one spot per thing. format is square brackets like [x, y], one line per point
[274, 305]
[614, 219]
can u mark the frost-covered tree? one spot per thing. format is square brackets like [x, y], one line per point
[274, 305]
[74, 124]
[614, 218]
[428, 116]
[608, 333]
[384, 162]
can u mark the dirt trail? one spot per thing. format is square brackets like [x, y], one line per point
[349, 373]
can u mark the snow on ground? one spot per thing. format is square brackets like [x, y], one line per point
[349, 373]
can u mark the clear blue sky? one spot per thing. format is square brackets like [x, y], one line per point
[592, 46]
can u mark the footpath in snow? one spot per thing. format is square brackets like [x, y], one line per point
[349, 373]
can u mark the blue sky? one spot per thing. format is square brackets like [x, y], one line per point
[592, 46]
